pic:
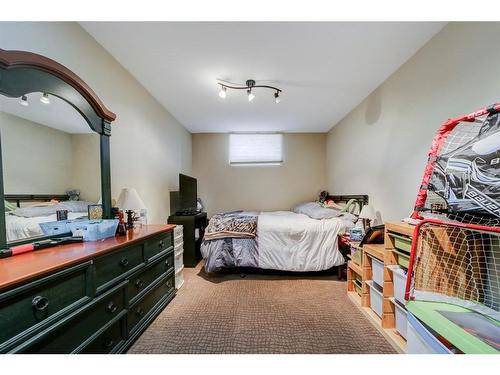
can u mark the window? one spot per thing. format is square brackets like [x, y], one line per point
[255, 149]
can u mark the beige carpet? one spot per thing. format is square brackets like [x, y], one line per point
[260, 314]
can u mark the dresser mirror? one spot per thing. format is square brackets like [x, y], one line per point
[50, 164]
[54, 139]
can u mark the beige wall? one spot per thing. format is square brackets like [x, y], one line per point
[149, 147]
[86, 166]
[380, 147]
[25, 170]
[223, 187]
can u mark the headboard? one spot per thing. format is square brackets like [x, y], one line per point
[18, 198]
[361, 199]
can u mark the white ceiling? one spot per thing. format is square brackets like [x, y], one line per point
[324, 69]
[57, 115]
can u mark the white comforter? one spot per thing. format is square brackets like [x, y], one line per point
[295, 242]
[26, 227]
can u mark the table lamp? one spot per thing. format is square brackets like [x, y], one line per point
[130, 202]
[367, 214]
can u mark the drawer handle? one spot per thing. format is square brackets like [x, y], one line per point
[169, 283]
[139, 311]
[168, 263]
[111, 307]
[40, 303]
[124, 262]
[161, 243]
[108, 342]
[139, 284]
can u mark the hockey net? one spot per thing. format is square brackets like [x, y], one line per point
[462, 177]
[456, 263]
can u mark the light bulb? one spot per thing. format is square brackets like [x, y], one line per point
[45, 98]
[277, 97]
[24, 101]
[222, 92]
[251, 96]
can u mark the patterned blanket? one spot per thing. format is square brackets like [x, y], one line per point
[231, 225]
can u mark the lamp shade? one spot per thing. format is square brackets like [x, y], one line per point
[367, 212]
[130, 200]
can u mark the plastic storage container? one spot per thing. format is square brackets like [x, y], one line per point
[401, 320]
[178, 234]
[375, 297]
[357, 286]
[377, 271]
[178, 257]
[357, 255]
[420, 339]
[179, 277]
[94, 230]
[401, 242]
[403, 258]
[399, 277]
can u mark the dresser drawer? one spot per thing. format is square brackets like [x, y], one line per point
[142, 308]
[26, 310]
[110, 340]
[157, 245]
[114, 267]
[68, 335]
[143, 279]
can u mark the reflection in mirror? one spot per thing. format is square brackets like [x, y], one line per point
[50, 164]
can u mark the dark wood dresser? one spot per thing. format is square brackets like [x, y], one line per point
[93, 297]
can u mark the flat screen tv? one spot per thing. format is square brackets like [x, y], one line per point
[187, 193]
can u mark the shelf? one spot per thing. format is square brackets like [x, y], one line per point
[353, 266]
[390, 334]
[375, 250]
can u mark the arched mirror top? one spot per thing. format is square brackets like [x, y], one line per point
[24, 72]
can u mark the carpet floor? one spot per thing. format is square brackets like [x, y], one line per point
[260, 313]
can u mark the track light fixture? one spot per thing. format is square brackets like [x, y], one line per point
[251, 95]
[250, 85]
[24, 101]
[45, 98]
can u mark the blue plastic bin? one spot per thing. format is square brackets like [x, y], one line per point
[94, 230]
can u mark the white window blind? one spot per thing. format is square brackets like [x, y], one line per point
[247, 149]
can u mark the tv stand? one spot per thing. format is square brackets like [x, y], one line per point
[192, 254]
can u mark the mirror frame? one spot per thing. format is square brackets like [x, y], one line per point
[23, 72]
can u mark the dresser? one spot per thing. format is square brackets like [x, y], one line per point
[92, 297]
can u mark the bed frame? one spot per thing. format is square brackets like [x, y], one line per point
[19, 198]
[361, 199]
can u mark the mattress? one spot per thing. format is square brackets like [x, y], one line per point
[285, 241]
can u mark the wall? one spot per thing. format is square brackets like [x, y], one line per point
[86, 166]
[36, 159]
[380, 148]
[149, 147]
[223, 187]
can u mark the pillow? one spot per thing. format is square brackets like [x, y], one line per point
[71, 206]
[315, 211]
[9, 206]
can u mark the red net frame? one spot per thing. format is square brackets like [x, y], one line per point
[436, 148]
[456, 263]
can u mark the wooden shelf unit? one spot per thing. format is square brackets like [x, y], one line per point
[384, 252]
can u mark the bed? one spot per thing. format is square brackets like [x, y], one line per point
[280, 240]
[24, 221]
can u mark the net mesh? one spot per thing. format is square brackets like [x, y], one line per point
[456, 264]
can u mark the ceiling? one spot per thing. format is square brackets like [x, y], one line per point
[325, 69]
[57, 115]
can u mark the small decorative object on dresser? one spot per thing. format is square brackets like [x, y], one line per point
[95, 211]
[130, 201]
